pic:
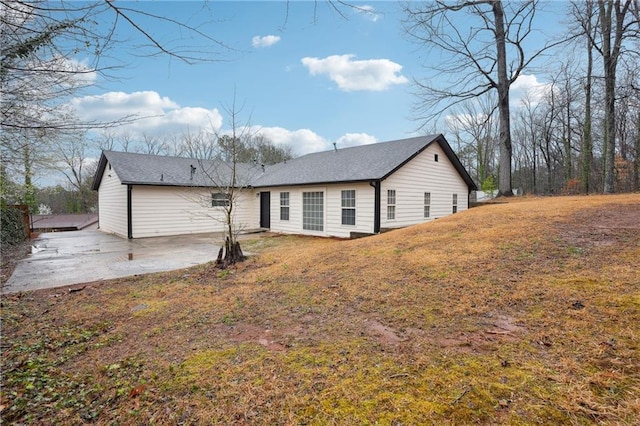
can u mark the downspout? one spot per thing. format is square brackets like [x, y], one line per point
[129, 218]
[376, 206]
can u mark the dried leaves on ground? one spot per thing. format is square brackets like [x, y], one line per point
[524, 312]
[10, 255]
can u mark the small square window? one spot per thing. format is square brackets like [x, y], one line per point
[391, 196]
[391, 212]
[435, 158]
[220, 199]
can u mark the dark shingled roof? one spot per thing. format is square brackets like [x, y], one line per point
[357, 164]
[146, 169]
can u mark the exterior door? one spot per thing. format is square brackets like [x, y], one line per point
[265, 210]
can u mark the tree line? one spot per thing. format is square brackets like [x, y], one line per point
[578, 133]
[76, 162]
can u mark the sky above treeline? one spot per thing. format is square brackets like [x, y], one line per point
[301, 73]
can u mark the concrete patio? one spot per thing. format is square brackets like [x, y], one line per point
[65, 258]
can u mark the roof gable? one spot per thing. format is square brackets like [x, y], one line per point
[360, 163]
[356, 164]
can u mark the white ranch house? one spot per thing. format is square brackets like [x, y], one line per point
[342, 193]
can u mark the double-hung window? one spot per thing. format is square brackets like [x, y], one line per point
[349, 207]
[284, 206]
[391, 204]
[427, 205]
[455, 203]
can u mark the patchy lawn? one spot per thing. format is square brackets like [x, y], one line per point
[517, 313]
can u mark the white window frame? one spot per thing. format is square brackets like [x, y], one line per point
[285, 198]
[313, 210]
[391, 204]
[455, 203]
[427, 205]
[220, 199]
[348, 205]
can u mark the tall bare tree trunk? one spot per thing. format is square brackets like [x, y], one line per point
[587, 137]
[636, 154]
[504, 180]
[610, 55]
[568, 162]
[609, 119]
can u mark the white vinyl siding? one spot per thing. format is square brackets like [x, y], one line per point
[165, 210]
[424, 174]
[332, 210]
[112, 199]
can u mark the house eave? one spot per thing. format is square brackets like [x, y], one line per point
[97, 179]
[177, 185]
[337, 182]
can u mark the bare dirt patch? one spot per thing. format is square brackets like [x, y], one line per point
[247, 333]
[385, 335]
[602, 226]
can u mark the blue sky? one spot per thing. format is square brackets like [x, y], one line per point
[307, 77]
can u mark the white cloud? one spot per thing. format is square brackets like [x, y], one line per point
[159, 115]
[67, 72]
[352, 75]
[305, 141]
[527, 88]
[301, 141]
[355, 139]
[264, 41]
[154, 114]
[368, 11]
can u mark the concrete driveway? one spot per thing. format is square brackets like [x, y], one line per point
[64, 258]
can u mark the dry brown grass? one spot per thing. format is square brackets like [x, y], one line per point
[525, 312]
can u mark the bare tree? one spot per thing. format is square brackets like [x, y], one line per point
[527, 131]
[230, 178]
[266, 152]
[201, 145]
[252, 148]
[476, 129]
[39, 73]
[154, 145]
[69, 156]
[583, 14]
[488, 55]
[636, 153]
[617, 21]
